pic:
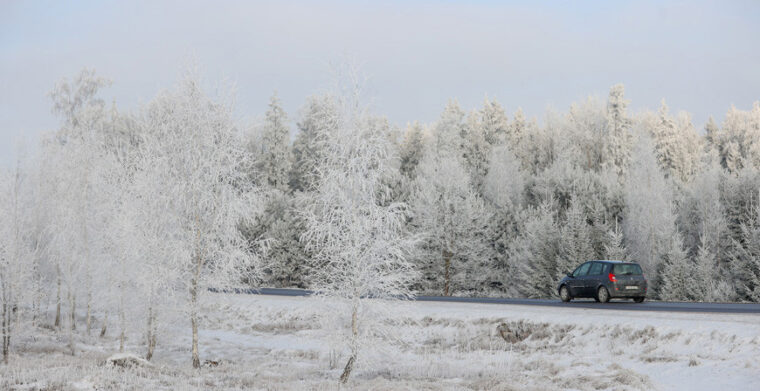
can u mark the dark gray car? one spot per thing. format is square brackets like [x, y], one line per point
[603, 280]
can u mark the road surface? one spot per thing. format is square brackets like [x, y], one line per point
[627, 305]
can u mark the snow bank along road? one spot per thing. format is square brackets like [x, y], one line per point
[733, 308]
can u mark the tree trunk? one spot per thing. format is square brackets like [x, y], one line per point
[89, 311]
[151, 334]
[105, 326]
[194, 282]
[72, 323]
[6, 331]
[73, 312]
[347, 370]
[122, 323]
[354, 345]
[447, 273]
[58, 299]
[194, 321]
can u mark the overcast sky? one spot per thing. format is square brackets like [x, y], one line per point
[702, 57]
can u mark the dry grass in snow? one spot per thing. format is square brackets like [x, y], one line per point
[282, 343]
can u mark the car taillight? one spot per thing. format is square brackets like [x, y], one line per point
[612, 277]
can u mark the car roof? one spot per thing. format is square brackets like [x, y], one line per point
[610, 261]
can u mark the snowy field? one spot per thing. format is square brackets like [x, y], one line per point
[284, 343]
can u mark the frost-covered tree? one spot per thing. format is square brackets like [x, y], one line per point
[451, 219]
[281, 225]
[678, 272]
[538, 147]
[676, 143]
[450, 130]
[517, 131]
[576, 245]
[708, 283]
[200, 179]
[738, 140]
[76, 147]
[356, 237]
[494, 122]
[412, 149]
[618, 145]
[587, 132]
[503, 195]
[615, 249]
[649, 221]
[319, 118]
[16, 253]
[701, 216]
[537, 250]
[712, 135]
[505, 181]
[274, 158]
[747, 258]
[476, 151]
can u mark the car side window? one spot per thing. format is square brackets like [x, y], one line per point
[596, 269]
[582, 270]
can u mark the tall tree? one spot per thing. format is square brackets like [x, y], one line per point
[494, 122]
[412, 150]
[649, 221]
[476, 151]
[451, 218]
[15, 252]
[538, 250]
[677, 145]
[274, 161]
[678, 272]
[357, 238]
[319, 119]
[576, 240]
[619, 143]
[80, 145]
[200, 178]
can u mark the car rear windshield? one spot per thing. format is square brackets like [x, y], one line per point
[627, 269]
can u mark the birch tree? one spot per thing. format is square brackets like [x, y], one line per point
[15, 253]
[200, 178]
[356, 237]
[80, 137]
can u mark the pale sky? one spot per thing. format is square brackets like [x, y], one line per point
[700, 56]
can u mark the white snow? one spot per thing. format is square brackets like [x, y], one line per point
[285, 343]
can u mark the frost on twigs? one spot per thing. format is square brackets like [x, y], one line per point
[127, 360]
[356, 231]
[515, 332]
[198, 184]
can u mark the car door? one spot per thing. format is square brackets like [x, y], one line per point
[577, 283]
[593, 279]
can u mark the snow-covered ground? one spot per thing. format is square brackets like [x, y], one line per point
[273, 342]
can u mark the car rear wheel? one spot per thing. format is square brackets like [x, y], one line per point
[638, 299]
[602, 295]
[564, 294]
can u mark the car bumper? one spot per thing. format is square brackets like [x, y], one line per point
[623, 290]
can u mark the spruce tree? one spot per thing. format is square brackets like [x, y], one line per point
[619, 136]
[494, 122]
[411, 150]
[678, 272]
[274, 162]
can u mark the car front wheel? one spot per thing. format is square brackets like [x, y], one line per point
[564, 294]
[602, 295]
